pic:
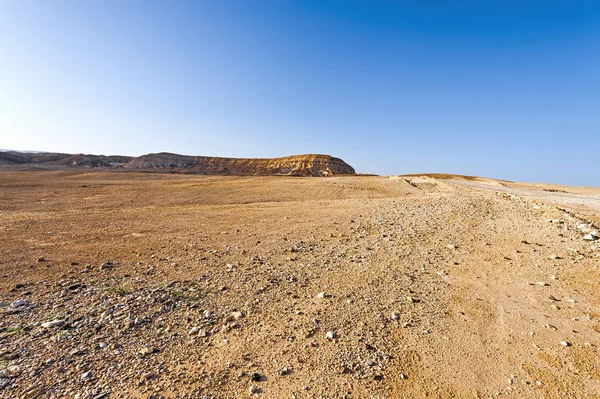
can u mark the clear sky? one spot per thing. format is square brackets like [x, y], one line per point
[506, 89]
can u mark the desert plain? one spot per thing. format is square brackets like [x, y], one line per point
[154, 285]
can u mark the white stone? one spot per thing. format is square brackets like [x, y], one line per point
[236, 315]
[53, 323]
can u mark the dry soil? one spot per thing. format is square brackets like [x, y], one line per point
[182, 286]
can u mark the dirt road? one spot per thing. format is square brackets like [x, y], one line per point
[276, 287]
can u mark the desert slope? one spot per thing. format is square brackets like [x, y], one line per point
[131, 285]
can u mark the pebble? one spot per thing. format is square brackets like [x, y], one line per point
[253, 389]
[330, 335]
[35, 392]
[149, 376]
[236, 315]
[106, 265]
[395, 316]
[18, 303]
[565, 343]
[53, 323]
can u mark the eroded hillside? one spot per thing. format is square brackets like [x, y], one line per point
[296, 165]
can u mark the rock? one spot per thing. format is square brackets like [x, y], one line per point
[53, 323]
[4, 382]
[236, 315]
[542, 283]
[255, 377]
[106, 265]
[149, 376]
[41, 259]
[148, 350]
[395, 316]
[330, 335]
[321, 295]
[35, 392]
[593, 236]
[565, 343]
[18, 303]
[207, 314]
[253, 389]
[86, 376]
[194, 331]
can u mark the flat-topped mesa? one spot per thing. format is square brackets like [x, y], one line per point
[296, 165]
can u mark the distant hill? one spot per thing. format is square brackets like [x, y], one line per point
[296, 165]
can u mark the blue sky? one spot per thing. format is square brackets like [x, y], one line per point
[506, 89]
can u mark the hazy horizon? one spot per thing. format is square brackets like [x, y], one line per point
[508, 90]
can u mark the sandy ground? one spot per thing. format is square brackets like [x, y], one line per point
[228, 287]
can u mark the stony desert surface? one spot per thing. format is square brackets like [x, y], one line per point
[146, 285]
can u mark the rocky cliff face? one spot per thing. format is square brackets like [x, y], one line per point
[296, 165]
